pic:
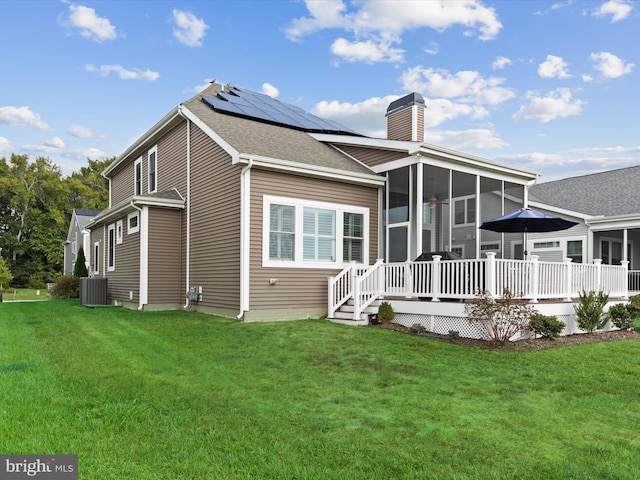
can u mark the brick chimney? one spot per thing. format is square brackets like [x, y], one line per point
[405, 118]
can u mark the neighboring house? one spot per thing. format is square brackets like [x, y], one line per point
[607, 207]
[77, 237]
[251, 204]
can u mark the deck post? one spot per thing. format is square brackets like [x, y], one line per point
[408, 283]
[533, 278]
[435, 279]
[625, 288]
[490, 275]
[598, 263]
[568, 277]
[355, 285]
[382, 278]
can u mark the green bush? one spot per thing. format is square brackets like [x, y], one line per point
[636, 325]
[385, 313]
[5, 274]
[66, 286]
[621, 315]
[590, 310]
[545, 325]
[453, 334]
[417, 328]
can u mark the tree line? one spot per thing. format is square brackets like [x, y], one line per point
[36, 203]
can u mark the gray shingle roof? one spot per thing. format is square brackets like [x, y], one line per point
[615, 192]
[273, 141]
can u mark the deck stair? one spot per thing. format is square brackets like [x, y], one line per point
[345, 314]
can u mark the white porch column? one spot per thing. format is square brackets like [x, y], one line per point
[477, 219]
[419, 208]
[625, 240]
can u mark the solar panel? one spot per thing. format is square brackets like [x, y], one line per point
[261, 107]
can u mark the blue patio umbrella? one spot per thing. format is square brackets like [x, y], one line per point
[527, 220]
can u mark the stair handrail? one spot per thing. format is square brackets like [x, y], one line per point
[363, 297]
[340, 286]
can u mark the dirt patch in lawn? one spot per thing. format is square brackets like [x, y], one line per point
[531, 344]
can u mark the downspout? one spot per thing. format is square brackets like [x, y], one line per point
[142, 257]
[188, 222]
[245, 191]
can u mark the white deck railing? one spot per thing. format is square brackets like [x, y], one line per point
[463, 279]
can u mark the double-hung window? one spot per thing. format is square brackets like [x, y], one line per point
[153, 169]
[303, 233]
[464, 211]
[133, 225]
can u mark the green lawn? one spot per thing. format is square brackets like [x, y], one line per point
[178, 395]
[22, 294]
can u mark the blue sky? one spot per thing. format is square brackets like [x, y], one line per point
[551, 86]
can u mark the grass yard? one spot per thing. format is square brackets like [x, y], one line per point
[174, 395]
[23, 294]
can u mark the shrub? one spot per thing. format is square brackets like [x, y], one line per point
[621, 316]
[385, 313]
[5, 274]
[499, 320]
[417, 328]
[80, 267]
[453, 334]
[636, 325]
[590, 310]
[545, 325]
[66, 286]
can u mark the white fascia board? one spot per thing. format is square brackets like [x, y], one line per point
[378, 143]
[561, 211]
[168, 119]
[616, 222]
[128, 204]
[434, 152]
[311, 170]
[197, 121]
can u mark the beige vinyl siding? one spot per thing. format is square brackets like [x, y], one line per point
[215, 223]
[371, 156]
[126, 276]
[122, 183]
[165, 259]
[172, 160]
[299, 287]
[399, 125]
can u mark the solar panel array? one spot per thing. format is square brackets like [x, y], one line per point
[261, 107]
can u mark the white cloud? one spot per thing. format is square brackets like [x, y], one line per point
[538, 159]
[556, 104]
[51, 148]
[618, 9]
[474, 139]
[123, 73]
[270, 90]
[368, 51]
[5, 146]
[609, 65]
[467, 86]
[55, 142]
[21, 117]
[500, 62]
[553, 67]
[190, 30]
[91, 25]
[432, 49]
[82, 132]
[378, 25]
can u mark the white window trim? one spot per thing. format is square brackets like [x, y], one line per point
[135, 177]
[299, 205]
[453, 218]
[155, 151]
[119, 232]
[112, 227]
[135, 229]
[562, 247]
